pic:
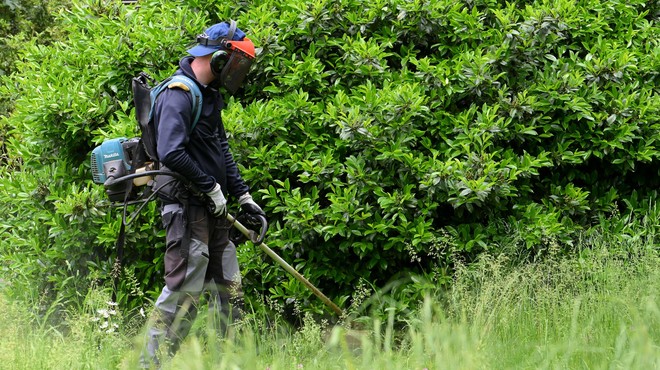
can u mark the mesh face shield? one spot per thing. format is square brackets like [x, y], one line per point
[238, 65]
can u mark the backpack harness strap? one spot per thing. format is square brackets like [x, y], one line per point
[184, 83]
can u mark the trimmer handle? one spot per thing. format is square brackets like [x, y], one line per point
[250, 234]
[264, 228]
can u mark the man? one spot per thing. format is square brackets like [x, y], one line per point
[199, 255]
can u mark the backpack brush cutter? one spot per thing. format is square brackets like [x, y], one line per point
[120, 166]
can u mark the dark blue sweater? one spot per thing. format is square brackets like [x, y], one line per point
[203, 155]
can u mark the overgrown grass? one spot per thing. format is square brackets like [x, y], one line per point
[597, 309]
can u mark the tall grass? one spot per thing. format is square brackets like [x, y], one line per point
[597, 309]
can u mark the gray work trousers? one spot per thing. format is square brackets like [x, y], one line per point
[199, 258]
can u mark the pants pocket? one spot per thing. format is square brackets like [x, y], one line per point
[186, 258]
[176, 254]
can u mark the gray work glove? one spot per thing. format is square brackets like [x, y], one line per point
[249, 207]
[218, 204]
[247, 217]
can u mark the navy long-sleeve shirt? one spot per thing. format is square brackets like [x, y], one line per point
[202, 156]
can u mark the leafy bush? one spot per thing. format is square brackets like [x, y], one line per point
[20, 20]
[383, 138]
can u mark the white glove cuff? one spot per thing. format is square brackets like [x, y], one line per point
[215, 190]
[245, 198]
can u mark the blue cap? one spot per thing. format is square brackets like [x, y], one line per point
[213, 33]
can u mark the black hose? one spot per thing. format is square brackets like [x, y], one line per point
[143, 203]
[113, 181]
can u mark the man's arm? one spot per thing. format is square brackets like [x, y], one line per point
[173, 113]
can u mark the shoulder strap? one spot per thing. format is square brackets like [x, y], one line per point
[187, 84]
[184, 83]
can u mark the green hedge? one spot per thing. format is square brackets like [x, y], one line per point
[384, 138]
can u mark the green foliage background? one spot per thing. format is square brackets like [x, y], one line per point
[383, 138]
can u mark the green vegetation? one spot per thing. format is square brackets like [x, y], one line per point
[392, 143]
[22, 22]
[600, 310]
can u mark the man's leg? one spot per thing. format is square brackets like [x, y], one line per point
[171, 321]
[186, 262]
[223, 277]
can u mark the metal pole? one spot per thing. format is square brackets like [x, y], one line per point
[252, 236]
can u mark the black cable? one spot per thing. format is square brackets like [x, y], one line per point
[113, 181]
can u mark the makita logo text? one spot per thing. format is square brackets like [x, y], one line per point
[106, 156]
